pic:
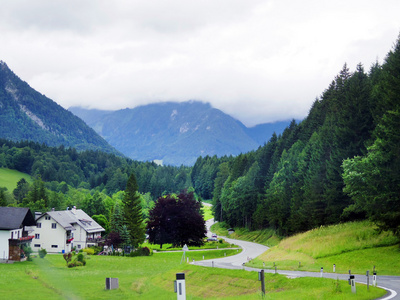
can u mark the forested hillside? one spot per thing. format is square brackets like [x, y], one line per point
[90, 169]
[341, 163]
[25, 114]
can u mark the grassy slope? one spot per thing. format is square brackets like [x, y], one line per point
[265, 237]
[152, 278]
[355, 246]
[9, 178]
[207, 212]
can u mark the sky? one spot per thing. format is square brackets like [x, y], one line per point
[260, 61]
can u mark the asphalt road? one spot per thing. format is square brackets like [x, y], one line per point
[252, 250]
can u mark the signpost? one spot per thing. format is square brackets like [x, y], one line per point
[185, 248]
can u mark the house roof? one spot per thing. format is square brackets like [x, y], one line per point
[15, 218]
[67, 219]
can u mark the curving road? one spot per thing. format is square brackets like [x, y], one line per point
[252, 250]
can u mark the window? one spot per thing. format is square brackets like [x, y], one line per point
[37, 245]
[12, 235]
[54, 246]
[37, 236]
[47, 218]
[39, 225]
[54, 225]
[79, 246]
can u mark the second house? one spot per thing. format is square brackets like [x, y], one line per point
[61, 231]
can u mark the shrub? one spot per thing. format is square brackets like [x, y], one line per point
[42, 253]
[28, 251]
[80, 257]
[89, 251]
[79, 260]
[145, 251]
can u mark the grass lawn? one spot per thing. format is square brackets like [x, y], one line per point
[152, 278]
[9, 178]
[355, 246]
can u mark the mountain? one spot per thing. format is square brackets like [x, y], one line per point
[25, 114]
[175, 133]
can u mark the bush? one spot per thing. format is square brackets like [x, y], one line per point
[80, 257]
[145, 251]
[42, 253]
[79, 260]
[28, 251]
[89, 251]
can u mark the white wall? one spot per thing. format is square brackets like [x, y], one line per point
[4, 236]
[79, 237]
[50, 236]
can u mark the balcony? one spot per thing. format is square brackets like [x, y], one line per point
[94, 239]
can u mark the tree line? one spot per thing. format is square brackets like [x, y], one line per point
[341, 163]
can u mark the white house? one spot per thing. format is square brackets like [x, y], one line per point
[13, 232]
[60, 231]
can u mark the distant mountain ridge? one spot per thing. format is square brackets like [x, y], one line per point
[25, 114]
[176, 133]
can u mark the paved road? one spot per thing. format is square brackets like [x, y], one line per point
[252, 250]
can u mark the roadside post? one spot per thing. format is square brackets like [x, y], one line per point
[352, 282]
[334, 268]
[179, 286]
[368, 280]
[261, 277]
[374, 279]
[322, 271]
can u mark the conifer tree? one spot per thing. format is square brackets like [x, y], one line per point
[133, 212]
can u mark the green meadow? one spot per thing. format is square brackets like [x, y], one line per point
[207, 212]
[355, 246]
[9, 178]
[152, 277]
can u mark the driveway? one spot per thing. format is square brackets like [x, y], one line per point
[252, 250]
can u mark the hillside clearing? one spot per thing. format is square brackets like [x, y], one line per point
[9, 178]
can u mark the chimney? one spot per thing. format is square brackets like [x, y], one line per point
[74, 209]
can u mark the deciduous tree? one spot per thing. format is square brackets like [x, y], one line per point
[177, 220]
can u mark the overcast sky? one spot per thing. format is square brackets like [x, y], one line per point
[259, 60]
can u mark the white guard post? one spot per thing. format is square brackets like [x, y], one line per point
[374, 279]
[180, 287]
[353, 284]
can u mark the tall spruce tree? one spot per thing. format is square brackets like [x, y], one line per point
[133, 212]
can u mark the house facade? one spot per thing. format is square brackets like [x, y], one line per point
[14, 235]
[61, 231]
